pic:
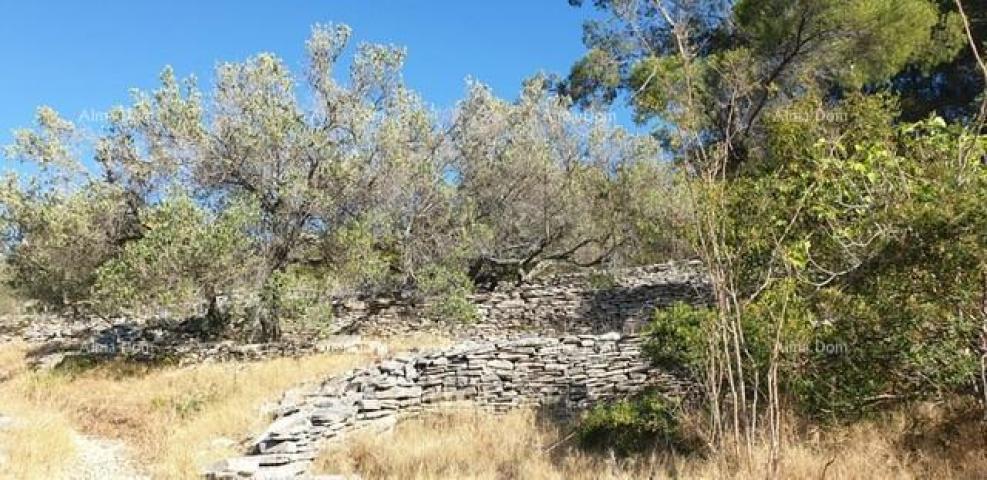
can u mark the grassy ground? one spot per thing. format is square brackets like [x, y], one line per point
[482, 446]
[38, 443]
[175, 420]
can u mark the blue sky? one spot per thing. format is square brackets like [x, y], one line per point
[83, 57]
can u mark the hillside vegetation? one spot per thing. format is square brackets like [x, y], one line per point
[826, 160]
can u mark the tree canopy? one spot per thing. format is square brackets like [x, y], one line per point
[191, 195]
[752, 58]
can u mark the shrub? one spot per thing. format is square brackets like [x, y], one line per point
[676, 338]
[449, 290]
[647, 421]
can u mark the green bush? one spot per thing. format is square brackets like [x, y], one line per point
[10, 301]
[449, 291]
[627, 426]
[676, 338]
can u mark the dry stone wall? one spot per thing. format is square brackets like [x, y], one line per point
[583, 303]
[590, 302]
[565, 373]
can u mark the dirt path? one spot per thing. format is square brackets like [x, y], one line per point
[103, 459]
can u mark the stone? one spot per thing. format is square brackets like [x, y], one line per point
[287, 425]
[282, 472]
[368, 404]
[399, 392]
[241, 466]
[324, 416]
[610, 337]
[500, 365]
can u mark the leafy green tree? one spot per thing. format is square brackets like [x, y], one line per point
[61, 241]
[859, 254]
[190, 196]
[814, 212]
[950, 89]
[60, 224]
[546, 186]
[736, 63]
[186, 255]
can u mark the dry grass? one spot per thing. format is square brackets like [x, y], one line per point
[37, 445]
[482, 446]
[176, 420]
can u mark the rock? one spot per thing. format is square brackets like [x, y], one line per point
[368, 404]
[237, 467]
[500, 365]
[399, 392]
[324, 416]
[539, 343]
[610, 337]
[595, 367]
[282, 472]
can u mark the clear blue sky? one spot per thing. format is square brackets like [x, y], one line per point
[82, 57]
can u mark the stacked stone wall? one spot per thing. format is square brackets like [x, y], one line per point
[564, 374]
[589, 302]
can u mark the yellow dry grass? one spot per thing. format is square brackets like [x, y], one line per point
[519, 446]
[176, 420]
[35, 445]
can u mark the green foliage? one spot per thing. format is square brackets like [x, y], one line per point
[601, 280]
[595, 75]
[858, 249]
[301, 295]
[360, 261]
[747, 59]
[184, 255]
[543, 186]
[10, 302]
[449, 290]
[249, 189]
[62, 239]
[677, 337]
[855, 42]
[872, 243]
[636, 425]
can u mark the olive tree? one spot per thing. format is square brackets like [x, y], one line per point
[271, 184]
[544, 185]
[309, 171]
[60, 223]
